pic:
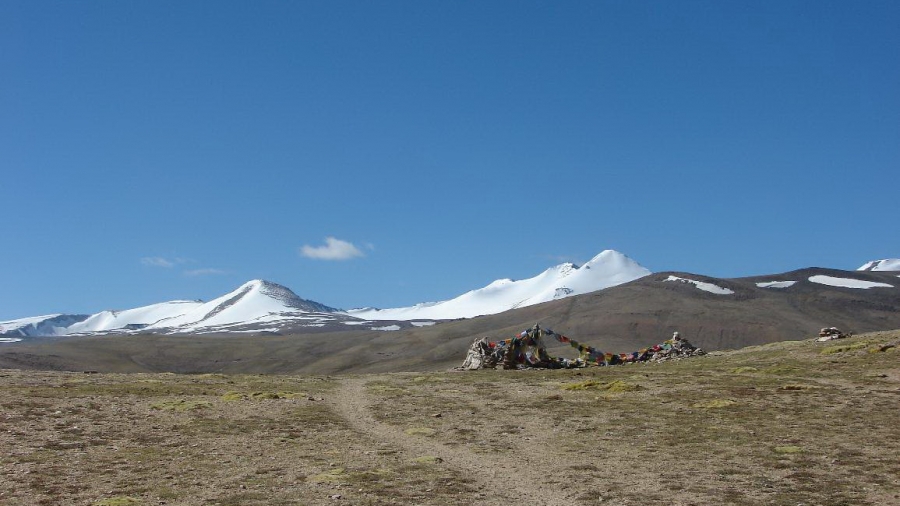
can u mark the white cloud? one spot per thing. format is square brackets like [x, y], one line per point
[334, 249]
[204, 272]
[158, 262]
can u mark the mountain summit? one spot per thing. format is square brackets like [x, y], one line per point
[609, 268]
[254, 302]
[255, 306]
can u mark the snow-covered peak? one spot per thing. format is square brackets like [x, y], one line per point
[887, 264]
[255, 302]
[609, 268]
[48, 325]
[281, 293]
[19, 323]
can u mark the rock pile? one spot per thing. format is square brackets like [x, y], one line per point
[527, 350]
[831, 333]
[679, 348]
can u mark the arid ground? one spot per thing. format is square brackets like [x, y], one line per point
[779, 424]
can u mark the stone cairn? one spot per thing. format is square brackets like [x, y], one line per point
[527, 350]
[831, 333]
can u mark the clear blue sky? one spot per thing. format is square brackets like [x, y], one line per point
[164, 150]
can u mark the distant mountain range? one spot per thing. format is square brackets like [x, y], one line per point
[609, 268]
[264, 307]
[260, 306]
[255, 307]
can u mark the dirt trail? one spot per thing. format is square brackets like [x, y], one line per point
[493, 474]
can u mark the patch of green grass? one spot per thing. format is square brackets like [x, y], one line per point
[715, 404]
[420, 431]
[342, 475]
[787, 449]
[166, 493]
[180, 405]
[117, 501]
[335, 475]
[843, 348]
[881, 348]
[428, 459]
[259, 396]
[234, 396]
[782, 370]
[615, 386]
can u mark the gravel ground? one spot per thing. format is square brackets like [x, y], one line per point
[780, 424]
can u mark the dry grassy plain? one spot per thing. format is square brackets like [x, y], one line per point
[781, 424]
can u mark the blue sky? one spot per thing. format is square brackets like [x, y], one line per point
[388, 153]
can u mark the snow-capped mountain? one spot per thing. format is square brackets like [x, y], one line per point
[888, 264]
[256, 306]
[254, 302]
[609, 268]
[262, 306]
[46, 325]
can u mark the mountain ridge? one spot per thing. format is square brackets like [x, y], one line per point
[265, 307]
[606, 269]
[623, 318]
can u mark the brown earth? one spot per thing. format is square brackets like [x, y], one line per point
[780, 424]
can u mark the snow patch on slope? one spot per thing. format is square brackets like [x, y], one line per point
[387, 328]
[702, 285]
[609, 268]
[776, 284]
[847, 282]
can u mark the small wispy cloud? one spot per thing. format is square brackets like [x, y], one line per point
[158, 262]
[334, 249]
[204, 272]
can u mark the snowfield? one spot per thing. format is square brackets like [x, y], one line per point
[888, 264]
[609, 268]
[776, 284]
[111, 320]
[702, 285]
[847, 282]
[13, 325]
